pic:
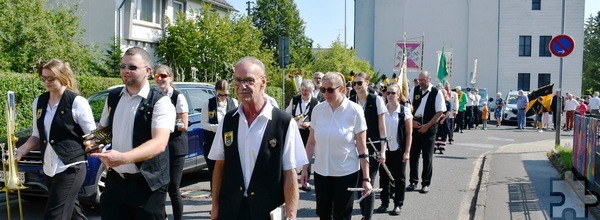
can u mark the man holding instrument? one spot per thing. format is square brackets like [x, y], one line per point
[141, 119]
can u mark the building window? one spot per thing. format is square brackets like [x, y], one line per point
[177, 7]
[148, 10]
[524, 46]
[536, 4]
[543, 79]
[545, 46]
[523, 81]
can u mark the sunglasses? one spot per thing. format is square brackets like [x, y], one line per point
[47, 79]
[391, 93]
[223, 95]
[130, 67]
[329, 90]
[359, 83]
[160, 76]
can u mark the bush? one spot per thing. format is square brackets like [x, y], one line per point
[27, 87]
[561, 158]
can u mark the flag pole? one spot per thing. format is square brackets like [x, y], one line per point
[422, 50]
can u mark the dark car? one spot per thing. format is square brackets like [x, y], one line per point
[30, 166]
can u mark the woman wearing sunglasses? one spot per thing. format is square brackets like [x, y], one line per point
[61, 118]
[337, 139]
[213, 112]
[178, 140]
[374, 110]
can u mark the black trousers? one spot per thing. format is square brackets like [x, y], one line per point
[450, 124]
[398, 169]
[334, 201]
[64, 189]
[131, 198]
[468, 118]
[176, 170]
[421, 144]
[210, 163]
[476, 115]
[368, 204]
[460, 121]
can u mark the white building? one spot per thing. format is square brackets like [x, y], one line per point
[509, 38]
[135, 22]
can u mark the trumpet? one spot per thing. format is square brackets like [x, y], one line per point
[9, 164]
[102, 138]
[301, 117]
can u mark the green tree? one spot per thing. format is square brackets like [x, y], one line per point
[33, 31]
[591, 55]
[340, 59]
[210, 43]
[112, 59]
[281, 18]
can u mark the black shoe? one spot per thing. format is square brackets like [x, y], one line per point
[305, 189]
[382, 209]
[395, 211]
[411, 187]
[424, 190]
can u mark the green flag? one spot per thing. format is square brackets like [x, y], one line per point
[442, 70]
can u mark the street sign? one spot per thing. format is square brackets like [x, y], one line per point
[562, 45]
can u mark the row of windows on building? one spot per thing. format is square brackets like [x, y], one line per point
[524, 81]
[525, 46]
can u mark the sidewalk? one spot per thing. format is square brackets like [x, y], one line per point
[518, 182]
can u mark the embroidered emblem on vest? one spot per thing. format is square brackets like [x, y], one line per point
[417, 97]
[38, 113]
[228, 136]
[211, 114]
[273, 142]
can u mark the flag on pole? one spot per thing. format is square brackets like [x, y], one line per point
[404, 77]
[442, 70]
[474, 77]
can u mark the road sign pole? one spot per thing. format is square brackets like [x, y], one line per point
[558, 110]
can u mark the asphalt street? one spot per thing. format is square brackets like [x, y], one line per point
[455, 177]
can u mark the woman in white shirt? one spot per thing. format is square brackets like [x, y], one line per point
[61, 118]
[399, 142]
[338, 141]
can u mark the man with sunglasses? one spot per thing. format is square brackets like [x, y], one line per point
[257, 150]
[141, 119]
[428, 107]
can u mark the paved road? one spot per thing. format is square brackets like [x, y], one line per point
[450, 195]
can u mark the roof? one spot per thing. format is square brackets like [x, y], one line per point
[221, 3]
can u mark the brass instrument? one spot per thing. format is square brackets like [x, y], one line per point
[301, 117]
[9, 163]
[101, 138]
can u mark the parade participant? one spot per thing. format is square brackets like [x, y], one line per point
[453, 112]
[442, 134]
[398, 124]
[61, 118]
[300, 108]
[213, 112]
[428, 107]
[374, 109]
[178, 140]
[338, 141]
[141, 119]
[498, 109]
[257, 150]
[462, 108]
[318, 79]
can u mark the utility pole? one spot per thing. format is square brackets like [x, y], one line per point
[345, 12]
[249, 3]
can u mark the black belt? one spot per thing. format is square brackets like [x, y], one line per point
[128, 175]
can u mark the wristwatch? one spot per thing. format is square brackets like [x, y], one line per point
[368, 179]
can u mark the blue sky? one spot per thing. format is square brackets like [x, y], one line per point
[325, 18]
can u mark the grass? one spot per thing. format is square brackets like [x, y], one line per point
[561, 158]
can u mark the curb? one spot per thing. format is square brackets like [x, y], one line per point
[470, 203]
[481, 192]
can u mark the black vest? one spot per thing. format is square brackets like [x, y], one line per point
[265, 190]
[296, 102]
[372, 119]
[401, 135]
[209, 136]
[65, 135]
[429, 110]
[178, 140]
[155, 170]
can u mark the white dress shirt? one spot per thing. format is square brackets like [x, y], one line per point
[182, 105]
[163, 116]
[303, 108]
[220, 113]
[391, 126]
[440, 105]
[334, 133]
[249, 143]
[595, 103]
[82, 115]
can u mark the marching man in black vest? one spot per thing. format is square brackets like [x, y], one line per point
[428, 107]
[257, 150]
[300, 108]
[141, 119]
[213, 113]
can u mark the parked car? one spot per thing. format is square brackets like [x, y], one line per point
[30, 166]
[510, 108]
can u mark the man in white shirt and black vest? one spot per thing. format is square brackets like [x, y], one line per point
[257, 150]
[428, 107]
[141, 118]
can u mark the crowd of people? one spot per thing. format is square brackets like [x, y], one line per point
[344, 133]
